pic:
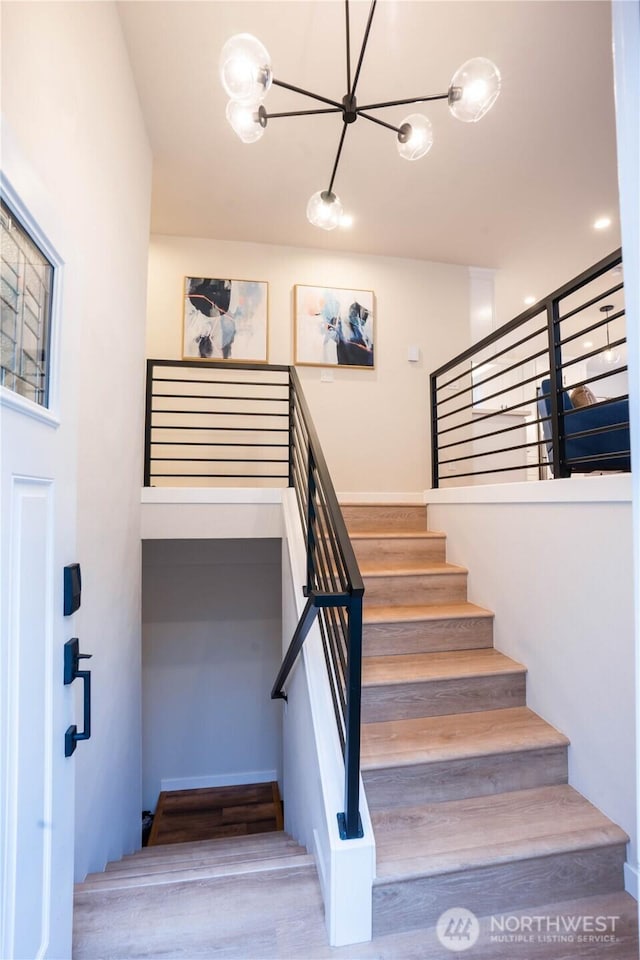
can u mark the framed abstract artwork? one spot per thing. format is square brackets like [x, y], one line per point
[225, 319]
[334, 327]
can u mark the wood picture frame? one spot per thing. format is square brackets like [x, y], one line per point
[225, 319]
[334, 327]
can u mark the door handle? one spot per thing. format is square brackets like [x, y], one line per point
[72, 658]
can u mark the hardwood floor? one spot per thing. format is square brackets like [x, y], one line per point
[204, 814]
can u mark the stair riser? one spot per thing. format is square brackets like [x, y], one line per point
[401, 549]
[361, 518]
[412, 904]
[397, 787]
[416, 589]
[437, 698]
[427, 636]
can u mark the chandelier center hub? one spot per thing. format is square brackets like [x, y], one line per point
[349, 108]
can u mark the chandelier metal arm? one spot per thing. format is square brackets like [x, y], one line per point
[348, 38]
[306, 93]
[337, 160]
[365, 39]
[398, 103]
[302, 113]
[382, 123]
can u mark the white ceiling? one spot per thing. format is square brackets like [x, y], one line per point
[517, 191]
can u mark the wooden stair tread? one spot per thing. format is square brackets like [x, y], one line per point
[103, 882]
[372, 568]
[271, 840]
[394, 743]
[386, 613]
[396, 535]
[137, 864]
[465, 834]
[423, 667]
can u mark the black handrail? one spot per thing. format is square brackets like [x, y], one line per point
[195, 411]
[334, 590]
[457, 377]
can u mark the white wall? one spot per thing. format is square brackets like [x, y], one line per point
[626, 37]
[70, 100]
[373, 424]
[211, 639]
[558, 574]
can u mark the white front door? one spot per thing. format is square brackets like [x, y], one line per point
[37, 539]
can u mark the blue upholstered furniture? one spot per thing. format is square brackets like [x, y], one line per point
[608, 450]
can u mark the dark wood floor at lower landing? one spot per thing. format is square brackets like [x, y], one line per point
[186, 815]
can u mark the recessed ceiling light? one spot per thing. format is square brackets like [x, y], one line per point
[528, 301]
[485, 313]
[346, 221]
[587, 343]
[602, 223]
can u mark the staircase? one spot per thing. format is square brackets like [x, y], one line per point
[190, 899]
[466, 786]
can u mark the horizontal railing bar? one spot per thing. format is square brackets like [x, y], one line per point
[219, 459]
[231, 476]
[218, 396]
[494, 433]
[491, 453]
[600, 376]
[479, 473]
[594, 431]
[213, 443]
[503, 370]
[596, 325]
[178, 426]
[614, 455]
[514, 366]
[565, 290]
[493, 413]
[222, 365]
[592, 353]
[221, 413]
[594, 406]
[279, 384]
[591, 303]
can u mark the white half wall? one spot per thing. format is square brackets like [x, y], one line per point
[211, 639]
[373, 424]
[554, 561]
[313, 767]
[70, 101]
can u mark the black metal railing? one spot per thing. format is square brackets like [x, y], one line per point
[535, 398]
[219, 422]
[216, 422]
[334, 591]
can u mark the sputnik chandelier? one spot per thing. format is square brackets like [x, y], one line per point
[247, 76]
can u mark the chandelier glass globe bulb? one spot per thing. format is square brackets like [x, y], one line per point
[245, 69]
[415, 137]
[474, 89]
[245, 121]
[324, 210]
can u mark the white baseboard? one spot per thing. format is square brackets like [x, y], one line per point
[219, 780]
[631, 879]
[405, 498]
